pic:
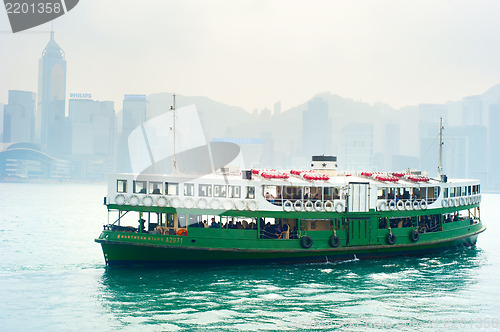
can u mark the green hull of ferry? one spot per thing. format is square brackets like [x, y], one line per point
[359, 236]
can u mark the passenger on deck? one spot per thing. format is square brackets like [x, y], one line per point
[142, 191]
[214, 224]
[269, 197]
[156, 191]
[315, 198]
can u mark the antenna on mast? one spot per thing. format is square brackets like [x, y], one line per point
[174, 157]
[440, 167]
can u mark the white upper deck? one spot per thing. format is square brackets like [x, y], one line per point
[308, 191]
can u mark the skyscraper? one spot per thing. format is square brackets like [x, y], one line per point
[316, 128]
[135, 109]
[19, 117]
[51, 122]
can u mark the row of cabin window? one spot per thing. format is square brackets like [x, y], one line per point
[462, 191]
[172, 188]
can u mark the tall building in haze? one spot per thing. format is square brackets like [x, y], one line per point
[19, 117]
[51, 122]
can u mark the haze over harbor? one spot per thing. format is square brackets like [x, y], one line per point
[270, 62]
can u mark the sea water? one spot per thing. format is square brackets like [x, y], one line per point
[53, 278]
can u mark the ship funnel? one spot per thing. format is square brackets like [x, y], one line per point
[324, 164]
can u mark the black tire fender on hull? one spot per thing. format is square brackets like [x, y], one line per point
[334, 241]
[306, 242]
[414, 236]
[390, 238]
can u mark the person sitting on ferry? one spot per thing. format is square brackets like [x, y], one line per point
[306, 196]
[269, 197]
[214, 224]
[315, 198]
[156, 191]
[142, 191]
[277, 232]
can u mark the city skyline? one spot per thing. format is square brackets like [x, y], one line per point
[252, 54]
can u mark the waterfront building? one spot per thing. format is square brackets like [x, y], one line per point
[92, 131]
[316, 128]
[19, 117]
[134, 113]
[51, 122]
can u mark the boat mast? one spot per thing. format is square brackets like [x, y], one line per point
[174, 157]
[440, 168]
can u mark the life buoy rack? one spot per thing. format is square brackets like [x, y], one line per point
[306, 242]
[239, 205]
[392, 205]
[309, 206]
[189, 203]
[202, 203]
[414, 236]
[462, 201]
[444, 203]
[408, 205]
[451, 202]
[334, 241]
[318, 206]
[423, 204]
[214, 204]
[339, 207]
[182, 232]
[390, 238]
[227, 205]
[175, 202]
[147, 200]
[134, 200]
[287, 206]
[328, 206]
[298, 206]
[416, 205]
[161, 201]
[120, 199]
[252, 205]
[382, 206]
[401, 205]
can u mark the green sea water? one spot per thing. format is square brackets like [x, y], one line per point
[53, 278]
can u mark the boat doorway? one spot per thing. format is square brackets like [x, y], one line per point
[358, 230]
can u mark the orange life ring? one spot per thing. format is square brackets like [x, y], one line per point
[182, 232]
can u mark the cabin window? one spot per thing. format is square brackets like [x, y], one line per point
[445, 195]
[205, 190]
[140, 187]
[464, 191]
[381, 193]
[469, 191]
[318, 224]
[219, 190]
[234, 192]
[292, 192]
[452, 192]
[188, 189]
[155, 188]
[195, 221]
[181, 220]
[250, 193]
[270, 192]
[169, 220]
[121, 186]
[172, 188]
[331, 193]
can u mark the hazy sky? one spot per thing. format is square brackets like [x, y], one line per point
[254, 53]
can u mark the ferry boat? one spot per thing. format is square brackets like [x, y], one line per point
[286, 216]
[262, 215]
